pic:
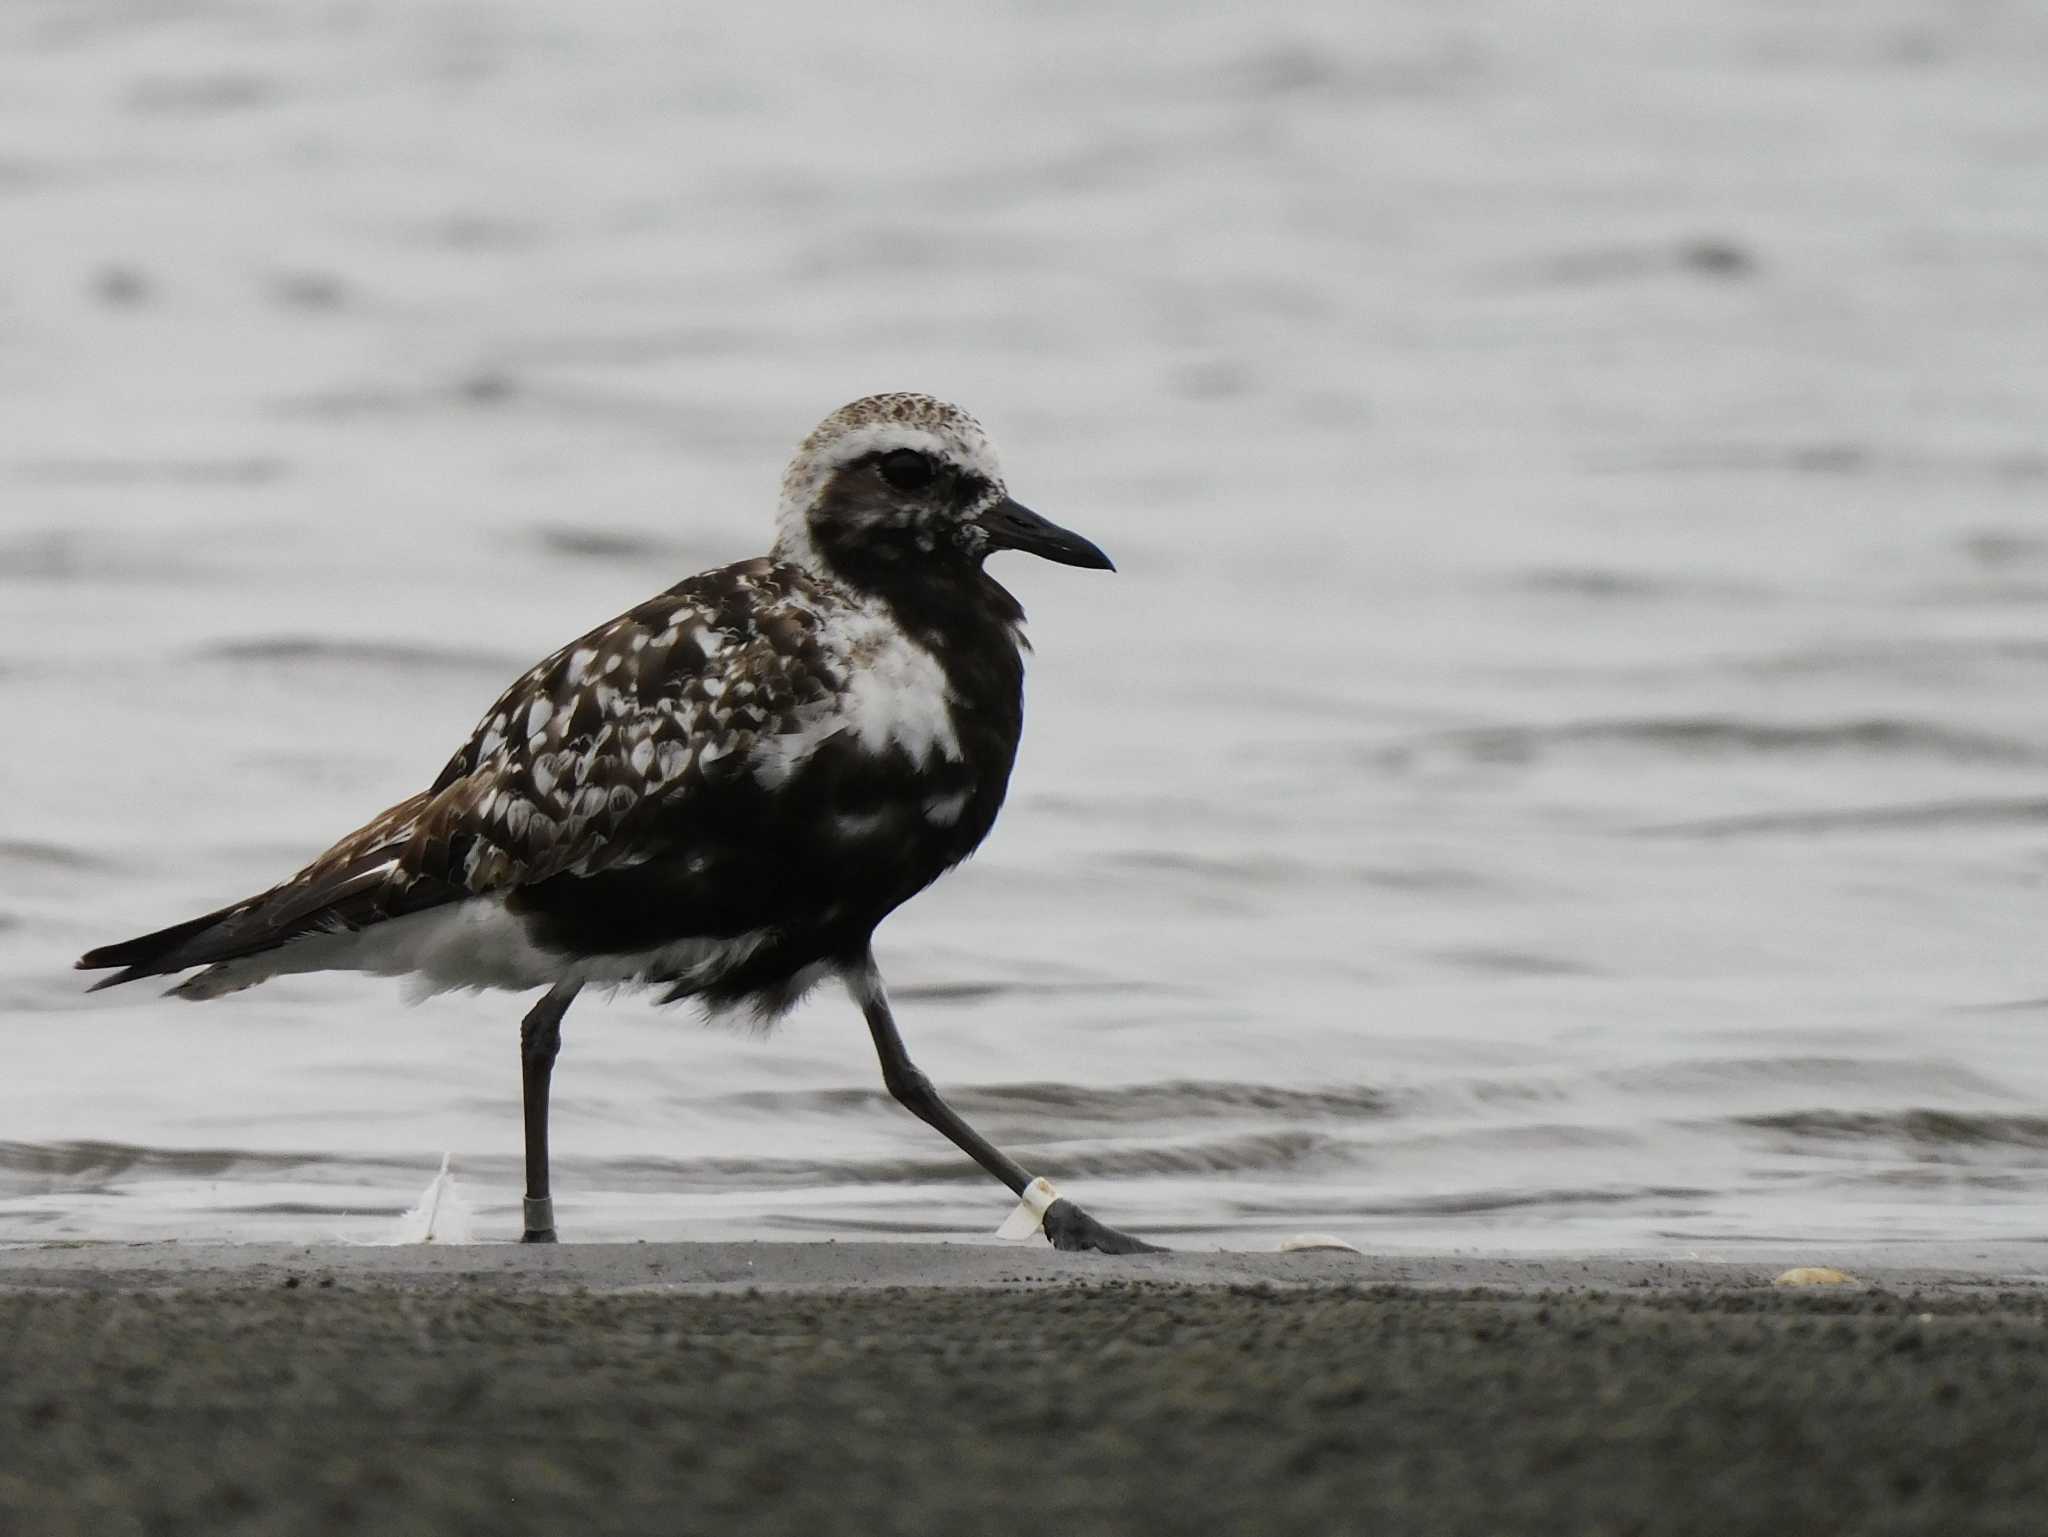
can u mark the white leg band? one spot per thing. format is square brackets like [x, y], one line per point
[1029, 1217]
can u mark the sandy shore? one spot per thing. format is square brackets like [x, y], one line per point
[873, 1387]
[1926, 1269]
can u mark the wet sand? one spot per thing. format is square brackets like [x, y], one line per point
[872, 1388]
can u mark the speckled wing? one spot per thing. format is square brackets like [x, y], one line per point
[672, 699]
[699, 687]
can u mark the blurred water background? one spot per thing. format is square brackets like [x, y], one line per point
[1563, 764]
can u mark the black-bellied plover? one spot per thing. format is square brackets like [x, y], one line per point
[720, 793]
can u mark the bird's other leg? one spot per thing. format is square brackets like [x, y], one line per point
[1066, 1225]
[540, 1040]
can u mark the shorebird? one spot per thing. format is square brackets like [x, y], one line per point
[719, 794]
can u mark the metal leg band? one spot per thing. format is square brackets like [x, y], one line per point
[540, 1213]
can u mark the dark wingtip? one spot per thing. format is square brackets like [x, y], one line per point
[100, 957]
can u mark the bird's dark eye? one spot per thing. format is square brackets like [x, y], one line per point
[906, 469]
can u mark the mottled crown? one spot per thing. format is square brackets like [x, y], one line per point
[874, 425]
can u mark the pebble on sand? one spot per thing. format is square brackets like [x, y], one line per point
[1814, 1275]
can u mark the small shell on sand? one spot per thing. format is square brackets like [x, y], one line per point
[1814, 1275]
[1315, 1241]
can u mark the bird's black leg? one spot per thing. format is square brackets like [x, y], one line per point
[540, 1039]
[1066, 1224]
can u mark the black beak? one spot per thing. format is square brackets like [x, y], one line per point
[1013, 526]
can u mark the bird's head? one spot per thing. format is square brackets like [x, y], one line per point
[895, 483]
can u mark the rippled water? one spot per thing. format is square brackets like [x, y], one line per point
[1562, 764]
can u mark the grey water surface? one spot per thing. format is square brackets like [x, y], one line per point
[1563, 763]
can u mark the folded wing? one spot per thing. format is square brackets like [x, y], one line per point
[578, 758]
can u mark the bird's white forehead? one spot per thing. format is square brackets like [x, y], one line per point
[882, 423]
[973, 453]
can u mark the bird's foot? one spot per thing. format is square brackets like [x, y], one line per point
[1069, 1227]
[539, 1212]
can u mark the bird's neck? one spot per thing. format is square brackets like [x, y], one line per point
[942, 599]
[964, 617]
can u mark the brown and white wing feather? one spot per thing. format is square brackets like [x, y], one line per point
[576, 757]
[666, 701]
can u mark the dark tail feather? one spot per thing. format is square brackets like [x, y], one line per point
[350, 898]
[151, 954]
[348, 887]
